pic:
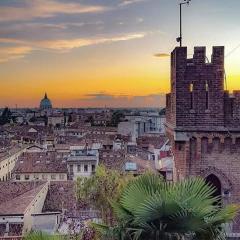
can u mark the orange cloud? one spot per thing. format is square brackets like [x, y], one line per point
[111, 100]
[128, 2]
[77, 43]
[44, 9]
[11, 53]
[161, 55]
[24, 47]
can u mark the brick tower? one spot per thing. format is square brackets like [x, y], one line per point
[203, 122]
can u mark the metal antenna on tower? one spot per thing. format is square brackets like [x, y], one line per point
[179, 39]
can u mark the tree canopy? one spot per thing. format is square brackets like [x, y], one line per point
[101, 189]
[6, 116]
[117, 117]
[150, 208]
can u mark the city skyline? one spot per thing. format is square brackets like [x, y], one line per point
[114, 53]
[127, 105]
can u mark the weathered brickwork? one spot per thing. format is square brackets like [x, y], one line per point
[203, 121]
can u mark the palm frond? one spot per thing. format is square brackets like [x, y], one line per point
[150, 208]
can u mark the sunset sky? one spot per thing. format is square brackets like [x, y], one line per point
[92, 53]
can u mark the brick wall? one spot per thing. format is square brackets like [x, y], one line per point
[197, 98]
[211, 153]
[218, 156]
[197, 88]
[203, 121]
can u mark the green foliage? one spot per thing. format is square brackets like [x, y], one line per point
[6, 116]
[162, 111]
[38, 235]
[70, 118]
[41, 236]
[101, 189]
[117, 117]
[150, 208]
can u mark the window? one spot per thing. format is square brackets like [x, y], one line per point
[71, 168]
[93, 168]
[26, 177]
[18, 177]
[207, 95]
[179, 146]
[231, 109]
[85, 168]
[36, 177]
[191, 89]
[53, 176]
[169, 176]
[79, 168]
[61, 176]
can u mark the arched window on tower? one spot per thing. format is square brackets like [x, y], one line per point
[207, 95]
[191, 88]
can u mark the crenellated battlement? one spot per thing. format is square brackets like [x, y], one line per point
[197, 97]
[218, 142]
[180, 58]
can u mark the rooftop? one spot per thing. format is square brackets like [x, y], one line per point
[16, 197]
[41, 162]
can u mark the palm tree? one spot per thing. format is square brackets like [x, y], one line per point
[150, 208]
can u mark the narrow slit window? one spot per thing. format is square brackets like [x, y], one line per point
[191, 94]
[207, 95]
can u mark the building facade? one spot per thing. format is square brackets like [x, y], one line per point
[83, 160]
[203, 122]
[40, 166]
[57, 120]
[8, 161]
[17, 205]
[140, 125]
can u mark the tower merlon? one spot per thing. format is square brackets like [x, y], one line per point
[199, 56]
[218, 55]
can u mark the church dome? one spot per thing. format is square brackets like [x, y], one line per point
[45, 103]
